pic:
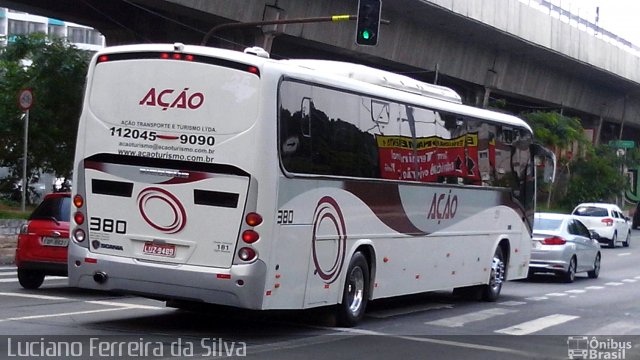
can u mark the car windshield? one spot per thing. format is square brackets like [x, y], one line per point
[591, 211]
[546, 224]
[56, 207]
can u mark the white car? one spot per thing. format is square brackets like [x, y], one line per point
[606, 220]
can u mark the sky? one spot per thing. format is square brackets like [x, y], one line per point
[621, 17]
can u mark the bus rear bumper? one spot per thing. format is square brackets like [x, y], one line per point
[240, 286]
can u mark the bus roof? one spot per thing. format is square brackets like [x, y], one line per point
[351, 76]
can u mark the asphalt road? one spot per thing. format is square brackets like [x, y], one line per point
[541, 318]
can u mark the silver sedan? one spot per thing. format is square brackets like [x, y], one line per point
[563, 245]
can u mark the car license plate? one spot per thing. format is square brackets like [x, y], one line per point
[52, 241]
[159, 249]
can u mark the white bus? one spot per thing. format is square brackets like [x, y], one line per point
[214, 176]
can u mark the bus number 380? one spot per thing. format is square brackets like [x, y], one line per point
[107, 225]
[285, 216]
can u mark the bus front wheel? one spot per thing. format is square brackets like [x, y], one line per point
[356, 292]
[491, 291]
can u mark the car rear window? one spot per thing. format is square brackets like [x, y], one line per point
[591, 211]
[546, 224]
[56, 207]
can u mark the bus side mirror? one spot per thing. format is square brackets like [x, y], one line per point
[548, 160]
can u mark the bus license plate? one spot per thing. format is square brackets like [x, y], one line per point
[51, 241]
[159, 249]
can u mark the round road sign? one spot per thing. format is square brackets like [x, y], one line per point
[25, 99]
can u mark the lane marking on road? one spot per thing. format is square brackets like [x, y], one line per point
[576, 291]
[7, 267]
[614, 283]
[637, 277]
[624, 254]
[125, 305]
[441, 342]
[34, 296]
[556, 294]
[383, 314]
[594, 287]
[629, 280]
[512, 303]
[537, 298]
[63, 314]
[536, 325]
[459, 321]
[47, 278]
[8, 273]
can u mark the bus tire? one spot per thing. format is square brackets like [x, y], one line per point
[355, 294]
[491, 291]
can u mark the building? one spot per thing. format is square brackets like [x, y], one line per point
[13, 23]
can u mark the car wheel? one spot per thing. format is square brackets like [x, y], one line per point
[627, 241]
[491, 291]
[593, 274]
[570, 275]
[612, 242]
[30, 279]
[355, 293]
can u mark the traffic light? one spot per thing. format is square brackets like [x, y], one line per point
[368, 22]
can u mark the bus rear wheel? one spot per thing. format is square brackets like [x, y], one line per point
[491, 291]
[356, 292]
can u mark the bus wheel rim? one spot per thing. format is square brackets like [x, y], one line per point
[497, 273]
[355, 290]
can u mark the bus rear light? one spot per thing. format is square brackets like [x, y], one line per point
[554, 240]
[189, 57]
[176, 56]
[253, 219]
[79, 235]
[78, 201]
[223, 276]
[78, 217]
[164, 56]
[253, 70]
[103, 58]
[607, 221]
[250, 236]
[247, 254]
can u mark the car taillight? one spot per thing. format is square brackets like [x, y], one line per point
[554, 240]
[24, 229]
[607, 221]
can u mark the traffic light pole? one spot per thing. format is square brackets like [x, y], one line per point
[334, 18]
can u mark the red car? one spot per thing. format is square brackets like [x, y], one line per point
[43, 241]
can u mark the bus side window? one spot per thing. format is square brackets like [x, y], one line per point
[306, 109]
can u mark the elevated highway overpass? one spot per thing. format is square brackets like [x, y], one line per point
[510, 52]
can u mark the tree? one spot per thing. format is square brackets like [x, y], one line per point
[596, 178]
[559, 133]
[55, 71]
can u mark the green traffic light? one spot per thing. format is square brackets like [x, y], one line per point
[366, 34]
